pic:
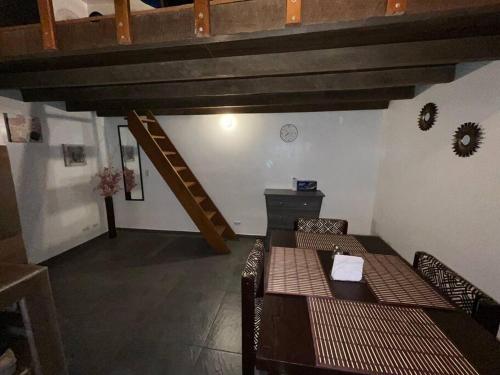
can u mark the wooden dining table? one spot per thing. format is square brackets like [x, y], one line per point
[286, 342]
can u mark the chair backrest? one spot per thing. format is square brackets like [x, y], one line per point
[321, 225]
[251, 287]
[459, 291]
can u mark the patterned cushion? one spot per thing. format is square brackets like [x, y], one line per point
[257, 318]
[455, 287]
[331, 226]
[254, 264]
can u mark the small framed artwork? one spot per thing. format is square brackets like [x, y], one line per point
[74, 155]
[23, 129]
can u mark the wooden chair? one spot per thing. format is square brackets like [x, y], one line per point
[321, 225]
[459, 291]
[251, 305]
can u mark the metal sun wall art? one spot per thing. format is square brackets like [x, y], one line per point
[467, 139]
[427, 116]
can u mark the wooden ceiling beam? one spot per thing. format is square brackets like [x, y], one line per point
[359, 106]
[437, 52]
[251, 86]
[324, 98]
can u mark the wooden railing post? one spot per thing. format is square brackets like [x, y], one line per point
[293, 12]
[122, 19]
[202, 17]
[48, 24]
[395, 7]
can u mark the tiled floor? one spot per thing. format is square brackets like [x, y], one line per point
[150, 303]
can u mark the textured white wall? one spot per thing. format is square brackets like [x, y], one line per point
[339, 149]
[69, 9]
[107, 7]
[58, 207]
[429, 199]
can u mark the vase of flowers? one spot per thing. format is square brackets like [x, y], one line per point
[129, 182]
[108, 186]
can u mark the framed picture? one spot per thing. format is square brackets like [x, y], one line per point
[74, 155]
[23, 129]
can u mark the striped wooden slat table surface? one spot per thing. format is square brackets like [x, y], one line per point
[368, 338]
[325, 241]
[393, 281]
[296, 271]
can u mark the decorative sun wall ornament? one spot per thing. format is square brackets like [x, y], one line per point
[428, 116]
[467, 139]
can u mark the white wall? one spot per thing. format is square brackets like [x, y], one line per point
[339, 149]
[69, 9]
[429, 199]
[106, 7]
[58, 208]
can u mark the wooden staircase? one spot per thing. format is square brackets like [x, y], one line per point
[181, 180]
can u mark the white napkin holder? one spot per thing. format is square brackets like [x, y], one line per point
[347, 268]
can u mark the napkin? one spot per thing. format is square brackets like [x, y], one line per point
[347, 268]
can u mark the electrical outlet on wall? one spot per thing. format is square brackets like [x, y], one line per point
[236, 222]
[146, 172]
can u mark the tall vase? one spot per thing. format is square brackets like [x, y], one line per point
[110, 212]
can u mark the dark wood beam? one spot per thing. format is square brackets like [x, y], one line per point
[122, 21]
[360, 106]
[377, 30]
[251, 86]
[292, 63]
[47, 24]
[316, 98]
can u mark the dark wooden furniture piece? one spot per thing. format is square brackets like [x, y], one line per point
[11, 238]
[251, 305]
[29, 286]
[286, 343]
[464, 294]
[321, 225]
[285, 206]
[181, 180]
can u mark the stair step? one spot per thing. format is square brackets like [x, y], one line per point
[220, 229]
[158, 137]
[145, 119]
[180, 169]
[169, 153]
[210, 214]
[190, 183]
[199, 199]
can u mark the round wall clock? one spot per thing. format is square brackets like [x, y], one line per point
[289, 133]
[427, 116]
[467, 139]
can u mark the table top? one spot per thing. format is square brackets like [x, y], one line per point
[294, 193]
[286, 342]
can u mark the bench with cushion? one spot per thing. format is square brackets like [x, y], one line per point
[252, 287]
[459, 291]
[321, 225]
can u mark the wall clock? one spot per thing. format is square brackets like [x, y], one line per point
[467, 139]
[289, 133]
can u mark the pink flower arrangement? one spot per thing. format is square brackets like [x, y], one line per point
[129, 177]
[109, 182]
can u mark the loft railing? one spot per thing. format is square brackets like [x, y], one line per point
[201, 9]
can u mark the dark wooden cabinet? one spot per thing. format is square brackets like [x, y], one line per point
[284, 206]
